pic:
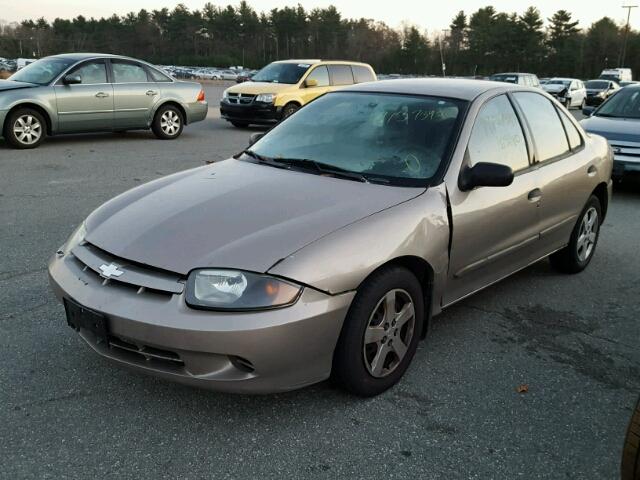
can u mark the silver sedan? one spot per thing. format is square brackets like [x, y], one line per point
[75, 93]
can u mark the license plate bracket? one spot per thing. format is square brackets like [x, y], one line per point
[81, 317]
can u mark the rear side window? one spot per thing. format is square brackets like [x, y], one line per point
[128, 72]
[575, 140]
[321, 75]
[362, 74]
[158, 76]
[497, 136]
[341, 74]
[546, 128]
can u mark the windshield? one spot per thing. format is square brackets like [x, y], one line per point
[624, 104]
[42, 72]
[396, 139]
[290, 73]
[504, 78]
[596, 84]
[608, 76]
[566, 83]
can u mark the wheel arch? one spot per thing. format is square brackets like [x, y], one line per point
[174, 103]
[38, 108]
[602, 194]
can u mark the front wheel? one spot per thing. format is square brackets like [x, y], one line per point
[289, 109]
[582, 245]
[25, 128]
[381, 332]
[168, 123]
[583, 104]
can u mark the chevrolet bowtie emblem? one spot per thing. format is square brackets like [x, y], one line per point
[110, 270]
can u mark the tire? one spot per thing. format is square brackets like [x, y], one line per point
[168, 122]
[578, 253]
[355, 367]
[289, 109]
[583, 104]
[25, 128]
[630, 468]
[240, 124]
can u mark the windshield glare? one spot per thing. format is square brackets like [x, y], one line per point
[42, 72]
[403, 140]
[504, 78]
[289, 73]
[596, 84]
[624, 104]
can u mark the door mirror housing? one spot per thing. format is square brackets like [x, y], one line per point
[485, 175]
[254, 137]
[311, 82]
[72, 79]
[588, 111]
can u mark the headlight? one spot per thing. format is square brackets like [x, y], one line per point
[266, 97]
[601, 94]
[217, 289]
[76, 238]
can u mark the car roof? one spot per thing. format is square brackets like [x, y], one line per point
[317, 61]
[511, 73]
[463, 89]
[565, 78]
[83, 56]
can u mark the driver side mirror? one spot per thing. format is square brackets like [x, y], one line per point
[254, 137]
[587, 111]
[311, 82]
[485, 175]
[72, 80]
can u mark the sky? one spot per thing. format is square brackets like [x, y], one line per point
[419, 12]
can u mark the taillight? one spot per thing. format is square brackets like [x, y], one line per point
[200, 96]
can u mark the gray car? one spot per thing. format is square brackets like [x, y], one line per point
[326, 246]
[85, 92]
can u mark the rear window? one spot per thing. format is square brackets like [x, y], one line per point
[362, 74]
[341, 74]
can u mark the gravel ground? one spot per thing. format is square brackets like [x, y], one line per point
[68, 414]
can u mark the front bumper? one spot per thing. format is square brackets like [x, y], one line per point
[197, 111]
[594, 101]
[623, 166]
[159, 334]
[254, 112]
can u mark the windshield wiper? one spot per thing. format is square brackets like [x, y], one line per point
[262, 159]
[323, 168]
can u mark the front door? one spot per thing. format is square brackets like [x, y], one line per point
[135, 94]
[87, 106]
[320, 76]
[495, 229]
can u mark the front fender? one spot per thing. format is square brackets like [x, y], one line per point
[42, 97]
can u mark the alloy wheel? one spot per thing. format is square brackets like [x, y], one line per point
[170, 122]
[27, 129]
[588, 234]
[389, 332]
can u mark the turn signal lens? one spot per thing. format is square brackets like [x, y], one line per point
[201, 97]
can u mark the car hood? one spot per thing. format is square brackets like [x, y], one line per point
[622, 129]
[554, 87]
[11, 85]
[232, 214]
[255, 88]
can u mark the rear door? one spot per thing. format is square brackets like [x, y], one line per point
[341, 75]
[563, 168]
[135, 94]
[87, 106]
[495, 229]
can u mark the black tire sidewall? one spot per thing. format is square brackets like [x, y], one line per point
[157, 129]
[289, 109]
[9, 135]
[349, 368]
[573, 250]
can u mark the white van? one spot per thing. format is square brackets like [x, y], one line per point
[617, 74]
[23, 62]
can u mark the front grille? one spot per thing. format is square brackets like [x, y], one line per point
[142, 278]
[240, 98]
[625, 149]
[145, 353]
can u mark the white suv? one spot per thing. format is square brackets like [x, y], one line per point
[570, 92]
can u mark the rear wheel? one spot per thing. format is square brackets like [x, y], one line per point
[25, 128]
[381, 332]
[168, 122]
[582, 245]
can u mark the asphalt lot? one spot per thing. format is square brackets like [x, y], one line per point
[68, 414]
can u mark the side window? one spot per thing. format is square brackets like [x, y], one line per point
[546, 128]
[91, 72]
[321, 75]
[128, 72]
[158, 76]
[575, 140]
[362, 74]
[497, 136]
[341, 74]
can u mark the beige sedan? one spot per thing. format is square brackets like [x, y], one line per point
[325, 248]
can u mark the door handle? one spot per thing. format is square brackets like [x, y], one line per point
[592, 170]
[534, 195]
[102, 95]
[151, 93]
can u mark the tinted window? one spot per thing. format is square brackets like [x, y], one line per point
[362, 74]
[546, 128]
[321, 75]
[497, 136]
[341, 74]
[128, 72]
[575, 140]
[158, 76]
[91, 72]
[624, 104]
[400, 138]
